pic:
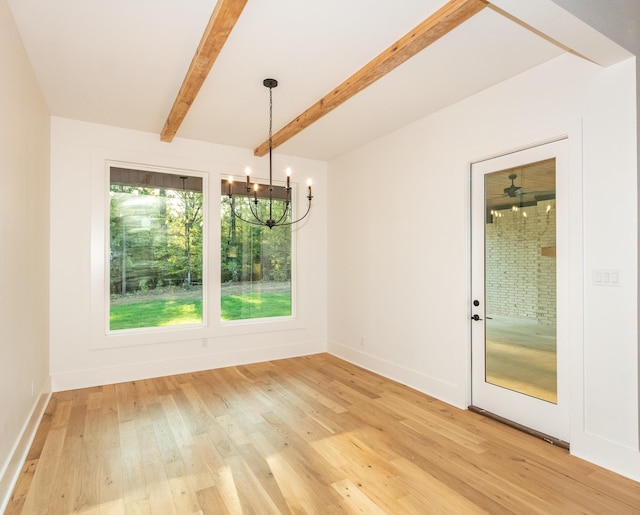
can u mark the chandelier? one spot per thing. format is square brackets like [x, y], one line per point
[274, 216]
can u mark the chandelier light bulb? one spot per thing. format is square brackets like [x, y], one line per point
[247, 170]
[230, 182]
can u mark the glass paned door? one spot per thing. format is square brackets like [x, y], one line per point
[519, 284]
[520, 279]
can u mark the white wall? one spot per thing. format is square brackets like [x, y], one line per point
[81, 352]
[399, 292]
[24, 251]
[619, 20]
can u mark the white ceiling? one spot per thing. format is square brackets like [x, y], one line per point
[121, 63]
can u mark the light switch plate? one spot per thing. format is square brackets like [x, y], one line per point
[609, 277]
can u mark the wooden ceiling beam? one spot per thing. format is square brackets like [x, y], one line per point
[444, 20]
[224, 17]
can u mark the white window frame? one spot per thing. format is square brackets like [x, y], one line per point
[212, 326]
[248, 322]
[205, 245]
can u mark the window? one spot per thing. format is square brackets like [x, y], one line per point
[255, 270]
[155, 249]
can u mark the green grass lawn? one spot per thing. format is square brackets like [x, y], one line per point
[256, 305]
[155, 313]
[165, 312]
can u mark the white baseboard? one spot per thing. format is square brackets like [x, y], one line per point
[447, 392]
[11, 471]
[146, 370]
[607, 454]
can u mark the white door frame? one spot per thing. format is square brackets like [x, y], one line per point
[541, 416]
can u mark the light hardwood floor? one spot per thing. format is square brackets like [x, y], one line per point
[302, 435]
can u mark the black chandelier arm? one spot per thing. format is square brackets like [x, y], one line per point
[270, 222]
[257, 221]
[287, 207]
[265, 223]
[285, 211]
[254, 211]
[299, 219]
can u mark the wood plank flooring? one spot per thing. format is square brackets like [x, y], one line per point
[302, 435]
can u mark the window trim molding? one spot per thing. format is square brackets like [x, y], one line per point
[103, 336]
[212, 327]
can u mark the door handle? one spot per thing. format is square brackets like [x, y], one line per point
[476, 317]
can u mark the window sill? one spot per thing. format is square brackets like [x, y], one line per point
[165, 335]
